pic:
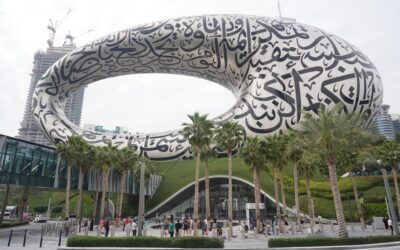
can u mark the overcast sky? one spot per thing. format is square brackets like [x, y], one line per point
[155, 103]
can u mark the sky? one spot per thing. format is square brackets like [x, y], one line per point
[159, 102]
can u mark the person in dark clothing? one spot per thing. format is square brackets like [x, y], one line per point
[91, 224]
[178, 226]
[385, 222]
[107, 226]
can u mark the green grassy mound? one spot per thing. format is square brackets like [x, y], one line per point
[180, 242]
[177, 174]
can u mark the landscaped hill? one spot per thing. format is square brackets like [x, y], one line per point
[177, 174]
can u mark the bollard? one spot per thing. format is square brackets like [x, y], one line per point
[23, 244]
[59, 238]
[9, 239]
[41, 238]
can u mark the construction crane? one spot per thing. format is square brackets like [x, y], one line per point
[71, 38]
[53, 28]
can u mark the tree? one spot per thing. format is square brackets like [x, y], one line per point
[127, 161]
[71, 153]
[346, 160]
[105, 157]
[228, 136]
[294, 153]
[330, 132]
[273, 152]
[206, 153]
[198, 133]
[308, 165]
[389, 153]
[85, 160]
[281, 163]
[252, 155]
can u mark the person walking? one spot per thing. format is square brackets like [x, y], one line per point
[107, 227]
[385, 222]
[186, 226]
[134, 228]
[390, 223]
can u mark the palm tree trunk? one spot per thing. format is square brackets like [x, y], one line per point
[67, 188]
[104, 192]
[331, 162]
[396, 186]
[79, 201]
[283, 194]
[276, 192]
[208, 209]
[121, 199]
[196, 192]
[310, 204]
[230, 212]
[256, 198]
[97, 195]
[358, 204]
[296, 197]
[117, 219]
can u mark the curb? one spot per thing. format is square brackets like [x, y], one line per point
[376, 245]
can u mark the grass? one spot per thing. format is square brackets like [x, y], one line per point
[177, 174]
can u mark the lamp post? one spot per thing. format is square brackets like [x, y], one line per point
[141, 198]
[391, 210]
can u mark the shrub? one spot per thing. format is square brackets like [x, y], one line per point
[57, 209]
[374, 209]
[328, 241]
[182, 242]
[13, 224]
[40, 209]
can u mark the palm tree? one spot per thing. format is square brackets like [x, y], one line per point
[85, 161]
[97, 165]
[281, 163]
[294, 153]
[228, 136]
[330, 133]
[198, 133]
[274, 153]
[347, 160]
[252, 155]
[389, 153]
[206, 153]
[308, 165]
[106, 156]
[127, 161]
[71, 153]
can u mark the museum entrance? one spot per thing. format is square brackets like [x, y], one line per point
[242, 203]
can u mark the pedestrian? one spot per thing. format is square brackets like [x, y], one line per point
[134, 228]
[186, 226]
[385, 222]
[171, 229]
[390, 223]
[107, 227]
[85, 227]
[124, 221]
[67, 225]
[191, 225]
[91, 224]
[178, 227]
[128, 227]
[172, 218]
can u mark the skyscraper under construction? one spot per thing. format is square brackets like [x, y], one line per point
[42, 61]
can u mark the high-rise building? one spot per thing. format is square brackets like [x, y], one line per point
[100, 128]
[383, 123]
[73, 109]
[396, 123]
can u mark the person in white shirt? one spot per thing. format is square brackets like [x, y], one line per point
[134, 228]
[390, 223]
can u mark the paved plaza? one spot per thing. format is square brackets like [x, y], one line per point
[51, 242]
